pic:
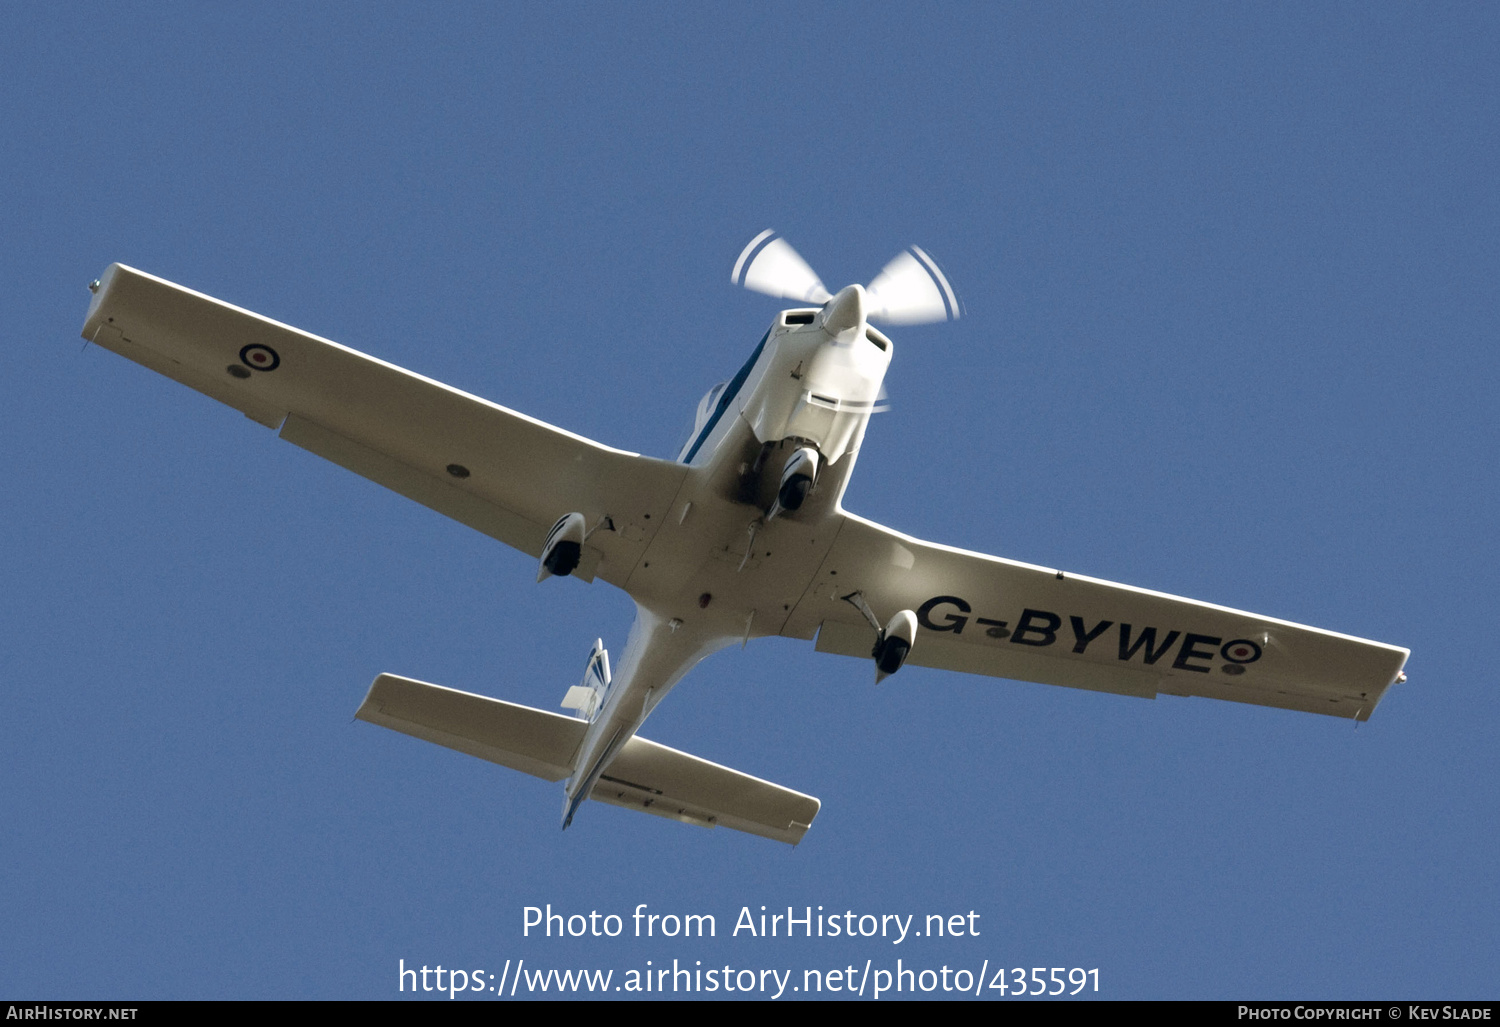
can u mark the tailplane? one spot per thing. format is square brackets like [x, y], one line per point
[643, 776]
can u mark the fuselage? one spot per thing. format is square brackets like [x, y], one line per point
[729, 565]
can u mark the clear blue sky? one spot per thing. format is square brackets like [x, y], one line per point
[1230, 278]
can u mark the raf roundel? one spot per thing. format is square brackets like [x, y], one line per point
[1241, 650]
[260, 358]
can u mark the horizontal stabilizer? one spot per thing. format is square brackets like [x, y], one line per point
[532, 741]
[653, 778]
[644, 776]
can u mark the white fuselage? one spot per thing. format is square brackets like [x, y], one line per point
[719, 570]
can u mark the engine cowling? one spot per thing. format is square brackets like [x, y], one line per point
[893, 645]
[563, 548]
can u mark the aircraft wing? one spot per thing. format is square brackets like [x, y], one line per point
[985, 615]
[505, 474]
[644, 775]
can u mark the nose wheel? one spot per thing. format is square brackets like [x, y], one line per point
[797, 480]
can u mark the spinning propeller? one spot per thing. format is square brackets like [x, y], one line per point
[909, 290]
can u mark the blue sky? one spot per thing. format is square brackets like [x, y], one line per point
[1230, 282]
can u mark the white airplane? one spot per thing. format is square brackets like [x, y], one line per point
[740, 537]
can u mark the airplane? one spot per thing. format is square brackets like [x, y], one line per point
[742, 536]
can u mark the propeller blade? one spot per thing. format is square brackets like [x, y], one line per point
[778, 270]
[911, 290]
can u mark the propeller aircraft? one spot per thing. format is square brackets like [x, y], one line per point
[742, 536]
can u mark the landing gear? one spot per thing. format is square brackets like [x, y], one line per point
[797, 480]
[892, 642]
[563, 550]
[794, 491]
[890, 653]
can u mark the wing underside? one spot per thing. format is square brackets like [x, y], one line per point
[984, 615]
[503, 473]
[645, 776]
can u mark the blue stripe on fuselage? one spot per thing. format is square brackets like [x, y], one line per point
[730, 392]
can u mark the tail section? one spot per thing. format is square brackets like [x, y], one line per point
[641, 775]
[586, 698]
